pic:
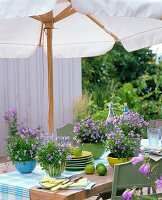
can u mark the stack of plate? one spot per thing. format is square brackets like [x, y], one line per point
[79, 163]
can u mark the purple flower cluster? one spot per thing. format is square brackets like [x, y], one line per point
[158, 183]
[131, 124]
[136, 160]
[11, 117]
[128, 194]
[90, 131]
[11, 113]
[145, 168]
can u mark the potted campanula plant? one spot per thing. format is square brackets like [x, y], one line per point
[121, 147]
[90, 136]
[53, 157]
[22, 149]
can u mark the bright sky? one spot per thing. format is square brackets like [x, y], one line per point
[157, 49]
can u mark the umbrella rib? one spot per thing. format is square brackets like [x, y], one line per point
[37, 18]
[67, 14]
[103, 27]
[62, 12]
[43, 18]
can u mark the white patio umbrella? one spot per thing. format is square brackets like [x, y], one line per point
[70, 34]
[135, 23]
[24, 27]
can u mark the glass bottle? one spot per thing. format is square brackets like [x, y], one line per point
[125, 112]
[110, 119]
[125, 107]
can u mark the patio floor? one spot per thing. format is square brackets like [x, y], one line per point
[3, 159]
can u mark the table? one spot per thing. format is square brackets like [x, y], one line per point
[17, 186]
[103, 184]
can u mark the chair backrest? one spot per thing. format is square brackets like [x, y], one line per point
[126, 176]
[65, 131]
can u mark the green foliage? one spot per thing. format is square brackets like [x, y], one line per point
[130, 65]
[120, 76]
[149, 90]
[117, 64]
[128, 93]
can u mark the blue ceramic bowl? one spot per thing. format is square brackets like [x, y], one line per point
[25, 167]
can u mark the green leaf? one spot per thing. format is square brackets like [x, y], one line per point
[154, 167]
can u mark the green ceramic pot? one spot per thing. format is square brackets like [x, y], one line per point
[96, 149]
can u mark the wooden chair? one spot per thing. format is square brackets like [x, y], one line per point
[65, 131]
[127, 176]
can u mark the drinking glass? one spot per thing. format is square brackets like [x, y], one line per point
[63, 140]
[153, 135]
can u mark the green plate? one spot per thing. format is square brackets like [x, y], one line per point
[74, 168]
[80, 163]
[77, 167]
[85, 155]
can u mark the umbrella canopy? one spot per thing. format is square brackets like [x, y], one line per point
[75, 36]
[121, 8]
[65, 33]
[136, 23]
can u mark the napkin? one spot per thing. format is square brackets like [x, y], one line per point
[88, 186]
[81, 183]
[152, 150]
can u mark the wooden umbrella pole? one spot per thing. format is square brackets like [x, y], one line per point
[49, 27]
